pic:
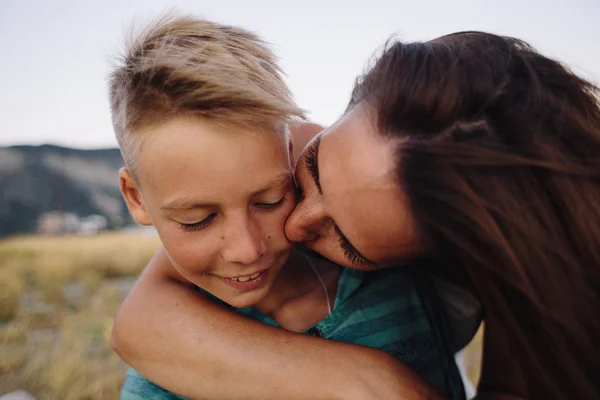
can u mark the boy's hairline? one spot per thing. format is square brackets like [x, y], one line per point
[144, 132]
[279, 107]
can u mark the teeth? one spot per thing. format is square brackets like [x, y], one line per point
[246, 278]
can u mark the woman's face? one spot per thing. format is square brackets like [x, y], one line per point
[351, 208]
[219, 199]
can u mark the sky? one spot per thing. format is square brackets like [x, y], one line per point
[56, 55]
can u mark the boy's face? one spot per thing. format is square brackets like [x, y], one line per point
[219, 199]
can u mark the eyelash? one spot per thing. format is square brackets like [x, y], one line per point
[350, 252]
[310, 158]
[299, 194]
[272, 206]
[199, 225]
[206, 221]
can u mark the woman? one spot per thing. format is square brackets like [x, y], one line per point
[209, 166]
[483, 155]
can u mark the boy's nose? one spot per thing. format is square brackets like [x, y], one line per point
[245, 244]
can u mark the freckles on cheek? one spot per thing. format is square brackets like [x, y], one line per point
[189, 250]
[274, 228]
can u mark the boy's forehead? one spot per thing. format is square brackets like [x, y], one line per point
[188, 131]
[186, 152]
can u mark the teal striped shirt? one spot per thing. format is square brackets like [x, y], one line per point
[395, 310]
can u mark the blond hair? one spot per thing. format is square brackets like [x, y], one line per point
[186, 66]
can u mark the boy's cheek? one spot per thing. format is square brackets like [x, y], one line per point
[177, 242]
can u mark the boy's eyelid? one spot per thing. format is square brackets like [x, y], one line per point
[272, 205]
[191, 221]
[281, 190]
[198, 225]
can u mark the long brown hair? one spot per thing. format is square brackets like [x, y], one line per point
[498, 149]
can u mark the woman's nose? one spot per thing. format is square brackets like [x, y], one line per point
[306, 221]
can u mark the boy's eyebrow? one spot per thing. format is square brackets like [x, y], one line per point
[185, 204]
[283, 178]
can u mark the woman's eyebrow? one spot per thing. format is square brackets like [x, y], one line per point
[312, 162]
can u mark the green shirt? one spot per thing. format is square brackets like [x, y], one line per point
[395, 310]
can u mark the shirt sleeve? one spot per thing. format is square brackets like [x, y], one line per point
[463, 310]
[137, 387]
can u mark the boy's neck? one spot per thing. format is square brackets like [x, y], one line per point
[297, 299]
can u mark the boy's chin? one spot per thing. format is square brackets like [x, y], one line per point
[248, 299]
[241, 302]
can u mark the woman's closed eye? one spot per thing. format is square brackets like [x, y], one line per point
[299, 194]
[350, 251]
[310, 160]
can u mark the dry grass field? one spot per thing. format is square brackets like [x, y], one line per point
[58, 298]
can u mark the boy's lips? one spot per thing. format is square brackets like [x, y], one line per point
[247, 282]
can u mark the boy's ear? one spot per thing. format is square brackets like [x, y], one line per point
[133, 198]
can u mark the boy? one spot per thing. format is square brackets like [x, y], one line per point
[201, 112]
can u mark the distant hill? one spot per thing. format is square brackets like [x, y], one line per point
[39, 179]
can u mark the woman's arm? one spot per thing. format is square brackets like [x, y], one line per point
[187, 344]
